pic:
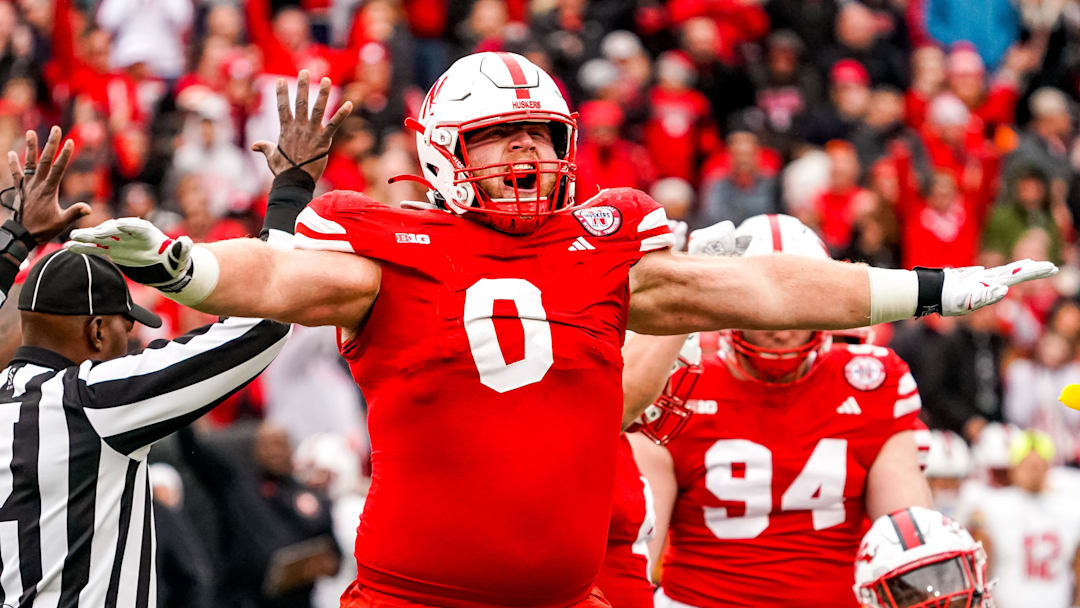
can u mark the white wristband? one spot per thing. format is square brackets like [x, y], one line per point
[204, 278]
[894, 294]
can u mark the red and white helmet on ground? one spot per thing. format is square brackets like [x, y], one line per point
[768, 234]
[484, 90]
[950, 457]
[919, 558]
[667, 416]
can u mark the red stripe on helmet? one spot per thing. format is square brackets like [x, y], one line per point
[774, 226]
[516, 74]
[909, 534]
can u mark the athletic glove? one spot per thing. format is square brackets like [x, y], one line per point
[181, 270]
[718, 239]
[964, 290]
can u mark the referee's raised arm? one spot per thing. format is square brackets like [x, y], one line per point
[77, 417]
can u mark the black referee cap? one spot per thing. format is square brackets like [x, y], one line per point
[65, 283]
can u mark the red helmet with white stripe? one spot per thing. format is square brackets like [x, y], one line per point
[919, 558]
[776, 233]
[485, 90]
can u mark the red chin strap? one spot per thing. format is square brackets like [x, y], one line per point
[772, 365]
[520, 212]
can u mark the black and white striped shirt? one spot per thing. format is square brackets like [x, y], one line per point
[76, 524]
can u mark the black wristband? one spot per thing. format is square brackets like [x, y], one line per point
[931, 281]
[8, 271]
[16, 240]
[291, 192]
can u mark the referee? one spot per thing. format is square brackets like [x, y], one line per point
[78, 417]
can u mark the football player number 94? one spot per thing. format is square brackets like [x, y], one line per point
[819, 487]
[495, 372]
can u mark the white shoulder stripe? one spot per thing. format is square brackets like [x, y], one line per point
[318, 223]
[660, 241]
[906, 384]
[301, 241]
[653, 219]
[907, 405]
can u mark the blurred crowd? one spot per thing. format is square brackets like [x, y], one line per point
[906, 132]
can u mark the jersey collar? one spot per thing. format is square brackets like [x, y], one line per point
[42, 357]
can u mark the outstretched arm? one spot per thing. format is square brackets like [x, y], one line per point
[246, 277]
[671, 295]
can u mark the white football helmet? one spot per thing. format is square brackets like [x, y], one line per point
[664, 418]
[483, 90]
[949, 456]
[768, 234]
[991, 451]
[917, 557]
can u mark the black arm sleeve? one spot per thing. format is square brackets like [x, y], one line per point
[291, 192]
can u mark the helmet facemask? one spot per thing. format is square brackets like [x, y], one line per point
[667, 416]
[775, 365]
[948, 580]
[532, 189]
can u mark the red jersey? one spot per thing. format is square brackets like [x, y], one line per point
[770, 507]
[624, 578]
[476, 340]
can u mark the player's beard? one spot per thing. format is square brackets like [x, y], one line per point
[528, 199]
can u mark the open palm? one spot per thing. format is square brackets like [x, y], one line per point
[304, 141]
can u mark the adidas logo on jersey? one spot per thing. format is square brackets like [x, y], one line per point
[580, 244]
[849, 406]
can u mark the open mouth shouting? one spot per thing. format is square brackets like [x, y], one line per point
[522, 180]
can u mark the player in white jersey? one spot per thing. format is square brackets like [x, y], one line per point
[1031, 531]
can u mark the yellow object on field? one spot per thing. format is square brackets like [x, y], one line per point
[1070, 396]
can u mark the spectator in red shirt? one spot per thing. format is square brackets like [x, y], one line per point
[737, 21]
[844, 200]
[287, 46]
[966, 79]
[604, 159]
[927, 80]
[943, 229]
[676, 128]
[954, 139]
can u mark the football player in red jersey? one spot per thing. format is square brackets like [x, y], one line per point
[498, 312]
[795, 441]
[625, 574]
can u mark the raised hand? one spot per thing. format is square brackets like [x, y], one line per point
[33, 198]
[304, 142]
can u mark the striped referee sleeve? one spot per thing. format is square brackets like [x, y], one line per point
[138, 399]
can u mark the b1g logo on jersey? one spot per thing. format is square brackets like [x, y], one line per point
[409, 237]
[599, 221]
[865, 373]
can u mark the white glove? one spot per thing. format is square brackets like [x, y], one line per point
[140, 249]
[718, 239]
[678, 228]
[970, 288]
